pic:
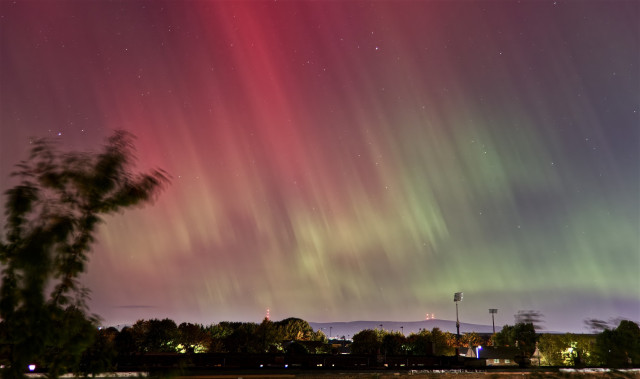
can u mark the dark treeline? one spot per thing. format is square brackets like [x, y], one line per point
[425, 342]
[289, 336]
[613, 347]
[109, 349]
[292, 336]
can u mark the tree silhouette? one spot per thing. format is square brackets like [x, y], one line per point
[193, 338]
[521, 335]
[393, 343]
[155, 336]
[51, 218]
[295, 329]
[101, 355]
[366, 341]
[619, 347]
[420, 343]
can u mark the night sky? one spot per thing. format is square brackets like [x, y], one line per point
[347, 160]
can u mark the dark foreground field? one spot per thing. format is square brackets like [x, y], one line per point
[422, 374]
[375, 374]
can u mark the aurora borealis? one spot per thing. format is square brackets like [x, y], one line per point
[348, 160]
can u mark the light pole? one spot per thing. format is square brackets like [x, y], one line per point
[457, 297]
[330, 328]
[402, 328]
[493, 311]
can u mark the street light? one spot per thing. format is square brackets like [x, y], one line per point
[457, 297]
[493, 311]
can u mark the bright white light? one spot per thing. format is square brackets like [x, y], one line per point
[32, 367]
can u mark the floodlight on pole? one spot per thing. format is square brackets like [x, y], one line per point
[457, 297]
[493, 311]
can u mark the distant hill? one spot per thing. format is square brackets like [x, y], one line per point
[348, 329]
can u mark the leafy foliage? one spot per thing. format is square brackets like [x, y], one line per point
[443, 342]
[101, 355]
[297, 348]
[295, 329]
[619, 347]
[367, 341]
[158, 336]
[51, 218]
[420, 343]
[434, 342]
[268, 336]
[393, 344]
[471, 339]
[521, 335]
[243, 338]
[192, 338]
[567, 350]
[551, 347]
[125, 342]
